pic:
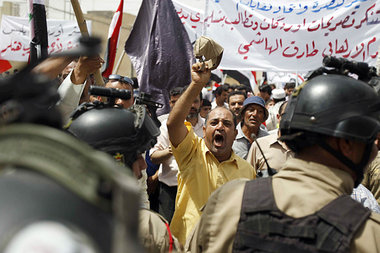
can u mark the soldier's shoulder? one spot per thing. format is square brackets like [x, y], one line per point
[228, 192]
[376, 162]
[148, 214]
[236, 184]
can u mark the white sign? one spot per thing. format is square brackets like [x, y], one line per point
[191, 18]
[15, 39]
[289, 35]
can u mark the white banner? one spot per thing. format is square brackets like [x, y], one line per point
[191, 18]
[15, 38]
[289, 35]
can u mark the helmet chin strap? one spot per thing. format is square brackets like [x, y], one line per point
[358, 169]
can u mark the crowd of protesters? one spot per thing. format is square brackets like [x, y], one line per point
[211, 137]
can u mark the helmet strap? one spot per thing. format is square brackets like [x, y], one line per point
[358, 169]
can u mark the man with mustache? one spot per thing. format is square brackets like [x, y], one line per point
[306, 206]
[253, 114]
[204, 164]
[235, 102]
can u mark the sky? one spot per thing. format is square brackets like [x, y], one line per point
[61, 9]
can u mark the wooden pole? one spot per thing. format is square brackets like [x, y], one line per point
[116, 69]
[84, 31]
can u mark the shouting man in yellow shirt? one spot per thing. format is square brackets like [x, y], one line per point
[204, 164]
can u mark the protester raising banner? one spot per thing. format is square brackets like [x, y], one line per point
[113, 39]
[160, 50]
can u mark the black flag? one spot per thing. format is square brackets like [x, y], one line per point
[160, 50]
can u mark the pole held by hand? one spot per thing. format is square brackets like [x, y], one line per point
[84, 31]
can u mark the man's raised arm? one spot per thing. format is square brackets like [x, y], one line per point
[52, 67]
[176, 127]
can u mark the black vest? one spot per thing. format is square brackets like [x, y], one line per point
[264, 228]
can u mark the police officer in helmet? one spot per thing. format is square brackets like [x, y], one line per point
[125, 134]
[57, 193]
[330, 123]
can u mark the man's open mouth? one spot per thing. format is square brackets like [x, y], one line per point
[253, 120]
[218, 140]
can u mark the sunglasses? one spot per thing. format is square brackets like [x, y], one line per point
[122, 79]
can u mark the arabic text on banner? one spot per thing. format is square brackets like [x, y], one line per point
[290, 35]
[14, 37]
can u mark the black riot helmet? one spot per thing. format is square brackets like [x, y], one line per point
[332, 105]
[123, 133]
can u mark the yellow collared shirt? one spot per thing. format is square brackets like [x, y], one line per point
[200, 174]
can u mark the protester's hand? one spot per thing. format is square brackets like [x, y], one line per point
[90, 64]
[200, 74]
[161, 155]
[168, 152]
[86, 66]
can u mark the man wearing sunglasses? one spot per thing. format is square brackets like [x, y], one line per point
[74, 89]
[121, 82]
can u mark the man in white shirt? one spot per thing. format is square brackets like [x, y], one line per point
[161, 154]
[221, 94]
[74, 85]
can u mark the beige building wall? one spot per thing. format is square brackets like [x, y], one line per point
[100, 24]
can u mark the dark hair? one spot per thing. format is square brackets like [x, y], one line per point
[175, 91]
[236, 92]
[233, 115]
[135, 83]
[244, 88]
[234, 86]
[289, 85]
[221, 88]
[205, 102]
[265, 88]
[279, 100]
[297, 140]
